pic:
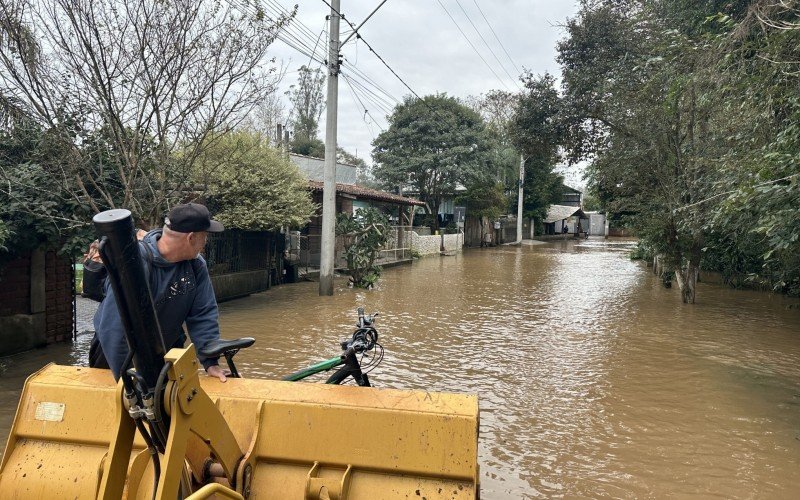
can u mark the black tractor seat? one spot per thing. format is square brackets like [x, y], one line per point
[219, 347]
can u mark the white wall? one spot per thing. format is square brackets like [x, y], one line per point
[428, 245]
[314, 168]
[597, 224]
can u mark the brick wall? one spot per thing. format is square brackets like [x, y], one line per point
[15, 287]
[58, 279]
[32, 312]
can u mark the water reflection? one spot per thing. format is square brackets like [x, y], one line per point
[593, 379]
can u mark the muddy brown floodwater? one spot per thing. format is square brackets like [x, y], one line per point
[593, 379]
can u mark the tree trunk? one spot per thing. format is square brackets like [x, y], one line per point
[687, 277]
[687, 282]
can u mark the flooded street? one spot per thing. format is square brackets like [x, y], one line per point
[593, 380]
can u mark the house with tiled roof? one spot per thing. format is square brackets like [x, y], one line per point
[349, 198]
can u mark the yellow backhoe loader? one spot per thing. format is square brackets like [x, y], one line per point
[165, 432]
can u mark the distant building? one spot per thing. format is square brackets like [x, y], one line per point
[571, 197]
[565, 216]
[447, 207]
[349, 198]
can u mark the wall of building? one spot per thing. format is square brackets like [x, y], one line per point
[233, 285]
[314, 168]
[35, 302]
[597, 224]
[428, 245]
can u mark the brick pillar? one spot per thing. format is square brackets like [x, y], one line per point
[58, 286]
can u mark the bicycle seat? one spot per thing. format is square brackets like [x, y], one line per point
[217, 348]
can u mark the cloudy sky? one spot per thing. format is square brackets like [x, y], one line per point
[420, 41]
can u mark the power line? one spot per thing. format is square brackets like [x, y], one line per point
[297, 32]
[296, 39]
[309, 45]
[366, 78]
[361, 37]
[301, 26]
[382, 60]
[390, 102]
[382, 104]
[366, 111]
[471, 45]
[495, 36]
[291, 43]
[486, 44]
[376, 105]
[355, 30]
[314, 52]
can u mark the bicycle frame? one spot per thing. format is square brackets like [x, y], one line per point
[350, 367]
[322, 366]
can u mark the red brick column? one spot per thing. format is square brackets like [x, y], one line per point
[58, 286]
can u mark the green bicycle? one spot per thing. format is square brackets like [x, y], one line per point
[350, 362]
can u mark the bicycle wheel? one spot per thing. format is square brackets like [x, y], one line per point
[339, 376]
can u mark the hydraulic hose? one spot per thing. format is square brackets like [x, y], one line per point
[158, 399]
[153, 454]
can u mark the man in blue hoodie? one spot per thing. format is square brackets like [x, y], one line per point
[181, 290]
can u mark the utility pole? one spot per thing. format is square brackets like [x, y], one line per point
[328, 245]
[519, 198]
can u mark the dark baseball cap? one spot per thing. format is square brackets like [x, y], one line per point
[192, 218]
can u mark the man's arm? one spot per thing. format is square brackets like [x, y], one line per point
[203, 319]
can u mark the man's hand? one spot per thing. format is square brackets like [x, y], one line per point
[216, 371]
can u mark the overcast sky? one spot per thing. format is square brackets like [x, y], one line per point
[423, 45]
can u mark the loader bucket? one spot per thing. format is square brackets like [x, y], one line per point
[304, 440]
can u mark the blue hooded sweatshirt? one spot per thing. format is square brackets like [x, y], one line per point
[182, 293]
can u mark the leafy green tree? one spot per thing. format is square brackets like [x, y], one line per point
[543, 187]
[364, 175]
[307, 103]
[253, 186]
[536, 130]
[433, 144]
[484, 201]
[308, 147]
[497, 107]
[688, 115]
[37, 204]
[364, 235]
[591, 202]
[638, 112]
